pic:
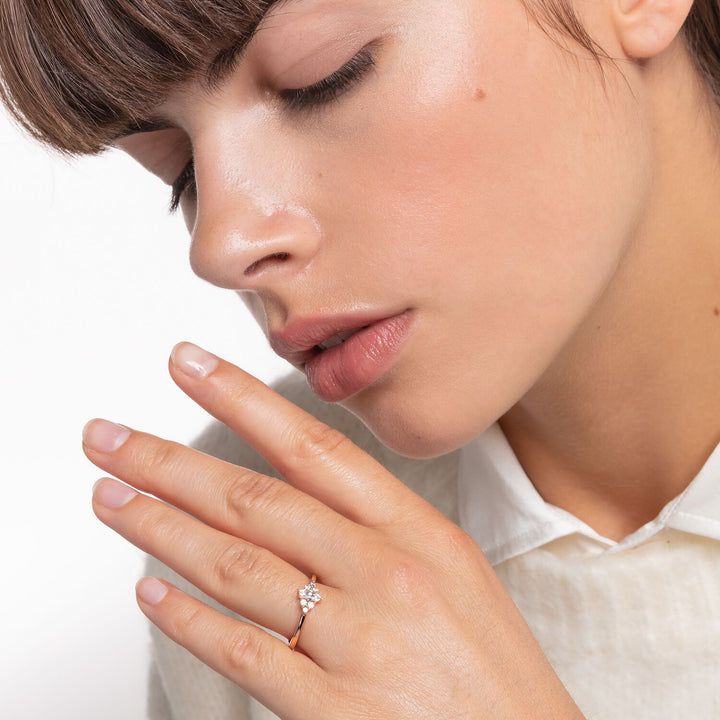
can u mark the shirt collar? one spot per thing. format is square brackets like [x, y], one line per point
[504, 513]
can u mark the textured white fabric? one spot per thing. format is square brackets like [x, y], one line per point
[632, 634]
[632, 628]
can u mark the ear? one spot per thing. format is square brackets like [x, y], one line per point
[647, 27]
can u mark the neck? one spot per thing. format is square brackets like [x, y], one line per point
[626, 416]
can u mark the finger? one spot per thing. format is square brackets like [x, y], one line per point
[246, 579]
[288, 683]
[309, 454]
[262, 510]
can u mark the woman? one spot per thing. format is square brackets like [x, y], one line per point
[446, 215]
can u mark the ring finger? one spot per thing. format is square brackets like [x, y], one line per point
[247, 579]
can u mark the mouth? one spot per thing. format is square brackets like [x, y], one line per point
[302, 339]
[338, 338]
[342, 355]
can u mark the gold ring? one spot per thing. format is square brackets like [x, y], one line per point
[309, 598]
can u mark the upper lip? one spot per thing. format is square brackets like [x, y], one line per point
[298, 340]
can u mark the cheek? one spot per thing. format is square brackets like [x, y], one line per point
[523, 169]
[503, 208]
[524, 172]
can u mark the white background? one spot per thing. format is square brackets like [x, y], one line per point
[95, 290]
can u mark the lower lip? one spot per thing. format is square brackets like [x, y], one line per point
[346, 369]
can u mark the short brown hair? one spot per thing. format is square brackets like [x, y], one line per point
[77, 73]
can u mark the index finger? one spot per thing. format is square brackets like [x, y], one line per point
[309, 454]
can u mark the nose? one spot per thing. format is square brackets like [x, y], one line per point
[250, 238]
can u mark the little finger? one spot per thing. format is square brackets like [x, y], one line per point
[288, 683]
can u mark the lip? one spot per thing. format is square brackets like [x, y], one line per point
[343, 370]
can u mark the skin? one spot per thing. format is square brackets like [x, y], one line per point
[554, 237]
[365, 652]
[409, 145]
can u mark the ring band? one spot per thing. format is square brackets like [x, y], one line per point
[309, 598]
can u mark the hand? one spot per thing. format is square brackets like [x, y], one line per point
[413, 622]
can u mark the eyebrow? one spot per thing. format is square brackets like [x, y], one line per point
[227, 58]
[216, 71]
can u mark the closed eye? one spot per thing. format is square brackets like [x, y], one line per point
[332, 87]
[312, 97]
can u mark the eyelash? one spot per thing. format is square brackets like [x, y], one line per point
[296, 100]
[330, 88]
[185, 182]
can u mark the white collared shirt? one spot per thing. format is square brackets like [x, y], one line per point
[631, 627]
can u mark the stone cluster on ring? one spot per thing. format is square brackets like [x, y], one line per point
[309, 597]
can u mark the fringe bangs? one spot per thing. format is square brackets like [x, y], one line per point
[75, 73]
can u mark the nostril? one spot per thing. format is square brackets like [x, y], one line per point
[258, 266]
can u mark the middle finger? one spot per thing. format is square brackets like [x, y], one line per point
[262, 510]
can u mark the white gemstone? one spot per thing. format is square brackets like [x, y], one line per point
[309, 597]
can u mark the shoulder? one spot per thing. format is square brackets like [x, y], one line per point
[433, 479]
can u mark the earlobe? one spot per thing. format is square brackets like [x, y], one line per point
[647, 27]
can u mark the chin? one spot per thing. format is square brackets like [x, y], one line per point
[415, 428]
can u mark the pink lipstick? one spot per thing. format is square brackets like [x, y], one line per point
[352, 360]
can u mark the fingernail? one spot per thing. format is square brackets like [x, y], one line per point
[104, 436]
[194, 361]
[151, 591]
[112, 494]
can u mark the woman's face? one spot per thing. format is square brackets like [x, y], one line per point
[467, 196]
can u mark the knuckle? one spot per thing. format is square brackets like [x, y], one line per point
[411, 583]
[252, 494]
[455, 553]
[152, 528]
[242, 652]
[455, 543]
[156, 458]
[313, 442]
[369, 641]
[185, 623]
[242, 392]
[237, 562]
